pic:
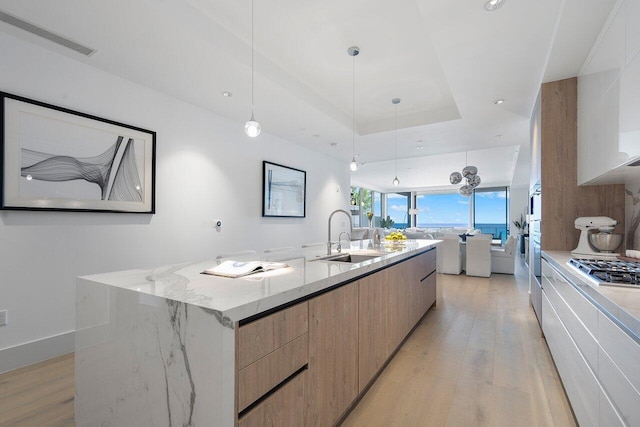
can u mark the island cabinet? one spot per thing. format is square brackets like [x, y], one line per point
[306, 365]
[172, 346]
[333, 355]
[390, 304]
[272, 356]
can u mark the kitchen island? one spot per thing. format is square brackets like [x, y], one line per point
[294, 346]
[593, 333]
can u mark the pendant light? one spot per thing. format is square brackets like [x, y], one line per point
[396, 101]
[353, 51]
[470, 173]
[252, 127]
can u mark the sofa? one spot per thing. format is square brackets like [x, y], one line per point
[439, 233]
[417, 233]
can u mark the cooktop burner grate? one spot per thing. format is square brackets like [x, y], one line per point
[610, 272]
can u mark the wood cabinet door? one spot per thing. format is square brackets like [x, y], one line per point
[333, 355]
[284, 408]
[428, 292]
[399, 308]
[373, 331]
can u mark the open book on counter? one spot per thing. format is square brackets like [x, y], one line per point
[231, 268]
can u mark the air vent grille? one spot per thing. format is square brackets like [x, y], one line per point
[41, 32]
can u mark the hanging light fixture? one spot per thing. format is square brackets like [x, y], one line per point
[470, 173]
[252, 128]
[396, 101]
[353, 51]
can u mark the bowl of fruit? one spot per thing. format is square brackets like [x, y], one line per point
[395, 238]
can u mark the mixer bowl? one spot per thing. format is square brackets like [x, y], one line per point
[605, 242]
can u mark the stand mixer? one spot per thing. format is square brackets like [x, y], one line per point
[589, 226]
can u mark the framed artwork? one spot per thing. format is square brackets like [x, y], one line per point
[284, 191]
[53, 158]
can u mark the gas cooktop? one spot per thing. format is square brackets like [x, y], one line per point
[610, 272]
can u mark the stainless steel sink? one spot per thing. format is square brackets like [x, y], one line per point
[349, 258]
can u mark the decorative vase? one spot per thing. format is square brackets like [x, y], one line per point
[371, 223]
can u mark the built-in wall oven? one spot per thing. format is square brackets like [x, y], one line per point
[535, 271]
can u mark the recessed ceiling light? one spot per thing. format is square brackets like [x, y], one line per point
[498, 101]
[498, 135]
[227, 94]
[492, 5]
[315, 135]
[334, 144]
[419, 147]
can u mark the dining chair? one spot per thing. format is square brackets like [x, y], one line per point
[448, 256]
[478, 256]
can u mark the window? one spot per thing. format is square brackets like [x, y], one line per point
[491, 212]
[442, 210]
[398, 205]
[362, 202]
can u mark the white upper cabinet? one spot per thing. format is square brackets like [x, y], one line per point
[609, 100]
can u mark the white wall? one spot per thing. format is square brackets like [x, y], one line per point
[206, 168]
[519, 201]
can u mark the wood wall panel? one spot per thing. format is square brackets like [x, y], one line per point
[562, 199]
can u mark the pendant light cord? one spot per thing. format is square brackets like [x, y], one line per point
[396, 140]
[353, 124]
[252, 58]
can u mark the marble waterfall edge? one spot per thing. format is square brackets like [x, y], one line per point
[147, 360]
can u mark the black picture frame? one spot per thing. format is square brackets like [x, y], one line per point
[56, 159]
[284, 191]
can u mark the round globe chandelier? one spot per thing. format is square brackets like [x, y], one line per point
[470, 173]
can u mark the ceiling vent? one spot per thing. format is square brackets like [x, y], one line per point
[41, 32]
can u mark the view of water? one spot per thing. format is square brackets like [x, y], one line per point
[499, 231]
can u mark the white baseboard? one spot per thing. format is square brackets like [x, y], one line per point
[36, 351]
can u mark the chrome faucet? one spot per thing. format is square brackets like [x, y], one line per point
[339, 247]
[329, 238]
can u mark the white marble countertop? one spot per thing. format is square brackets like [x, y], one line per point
[620, 303]
[240, 298]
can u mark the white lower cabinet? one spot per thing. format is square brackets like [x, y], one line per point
[597, 360]
[579, 381]
[619, 389]
[621, 348]
[608, 415]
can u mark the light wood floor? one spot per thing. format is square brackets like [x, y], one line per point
[38, 395]
[476, 360]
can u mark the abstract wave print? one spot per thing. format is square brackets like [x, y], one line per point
[125, 185]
